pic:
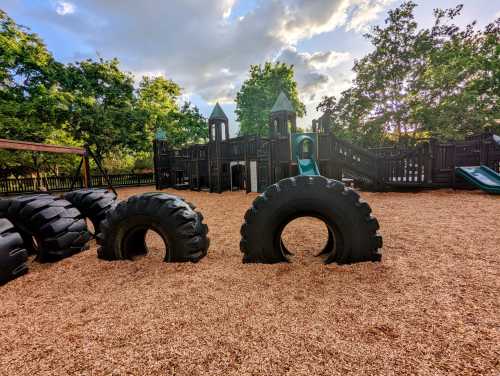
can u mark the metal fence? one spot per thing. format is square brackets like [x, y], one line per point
[64, 183]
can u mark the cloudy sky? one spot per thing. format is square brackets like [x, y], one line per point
[207, 45]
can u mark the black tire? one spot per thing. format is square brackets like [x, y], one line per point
[352, 230]
[181, 228]
[13, 255]
[94, 204]
[51, 227]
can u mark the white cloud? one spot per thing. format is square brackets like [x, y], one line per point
[318, 75]
[64, 7]
[227, 13]
[312, 70]
[199, 45]
[227, 8]
[329, 59]
[365, 12]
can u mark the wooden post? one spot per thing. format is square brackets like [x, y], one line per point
[156, 164]
[248, 182]
[87, 183]
[453, 178]
[483, 152]
[98, 164]
[209, 153]
[429, 160]
[271, 163]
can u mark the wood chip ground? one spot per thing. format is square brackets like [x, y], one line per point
[431, 307]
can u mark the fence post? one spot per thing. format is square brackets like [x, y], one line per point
[483, 154]
[156, 164]
[429, 164]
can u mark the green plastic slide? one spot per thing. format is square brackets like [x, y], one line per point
[308, 167]
[482, 177]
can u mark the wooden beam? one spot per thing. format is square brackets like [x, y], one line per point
[33, 146]
[86, 172]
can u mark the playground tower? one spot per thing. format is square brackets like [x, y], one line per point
[282, 123]
[283, 119]
[218, 131]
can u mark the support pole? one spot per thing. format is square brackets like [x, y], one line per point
[106, 177]
[156, 164]
[76, 175]
[86, 171]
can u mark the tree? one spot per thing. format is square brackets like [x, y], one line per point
[457, 92]
[101, 105]
[441, 82]
[328, 105]
[157, 106]
[259, 92]
[190, 126]
[29, 96]
[158, 110]
[91, 101]
[384, 76]
[349, 117]
[32, 104]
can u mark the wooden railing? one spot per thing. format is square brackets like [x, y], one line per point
[64, 183]
[428, 164]
[355, 158]
[412, 168]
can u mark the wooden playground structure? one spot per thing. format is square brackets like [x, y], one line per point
[252, 163]
[83, 170]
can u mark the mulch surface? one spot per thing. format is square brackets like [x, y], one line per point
[431, 306]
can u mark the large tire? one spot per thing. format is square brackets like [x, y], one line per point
[50, 227]
[181, 228]
[94, 204]
[352, 230]
[13, 256]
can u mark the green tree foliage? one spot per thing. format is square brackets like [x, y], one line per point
[158, 108]
[458, 89]
[157, 104]
[100, 105]
[32, 105]
[89, 102]
[29, 97]
[259, 92]
[190, 126]
[442, 81]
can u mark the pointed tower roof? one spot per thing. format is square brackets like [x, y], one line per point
[218, 113]
[282, 104]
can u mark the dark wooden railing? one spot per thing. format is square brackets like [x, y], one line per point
[429, 163]
[64, 183]
[412, 168]
[354, 158]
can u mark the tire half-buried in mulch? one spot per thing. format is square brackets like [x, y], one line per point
[13, 255]
[352, 230]
[123, 233]
[93, 203]
[51, 227]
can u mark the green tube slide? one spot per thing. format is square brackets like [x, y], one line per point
[304, 150]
